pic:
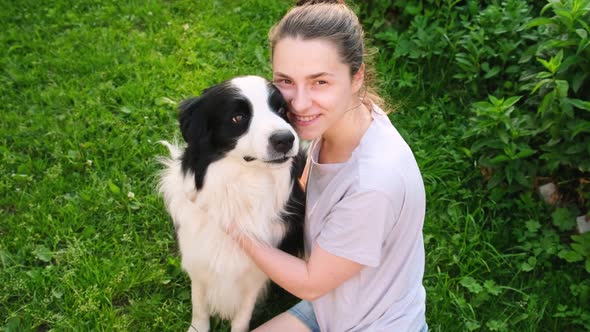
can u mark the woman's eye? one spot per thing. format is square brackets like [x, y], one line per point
[237, 118]
[283, 81]
[321, 82]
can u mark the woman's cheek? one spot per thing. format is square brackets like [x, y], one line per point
[286, 91]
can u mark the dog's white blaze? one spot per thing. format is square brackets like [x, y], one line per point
[264, 121]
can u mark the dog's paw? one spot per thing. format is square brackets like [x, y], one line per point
[199, 326]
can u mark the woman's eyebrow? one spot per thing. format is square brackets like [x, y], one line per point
[276, 73]
[319, 75]
[312, 76]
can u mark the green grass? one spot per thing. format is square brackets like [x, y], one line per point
[86, 91]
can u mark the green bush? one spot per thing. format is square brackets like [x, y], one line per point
[523, 74]
[544, 132]
[513, 76]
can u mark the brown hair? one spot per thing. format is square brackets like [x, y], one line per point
[311, 2]
[330, 20]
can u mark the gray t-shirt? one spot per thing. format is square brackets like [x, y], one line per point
[370, 209]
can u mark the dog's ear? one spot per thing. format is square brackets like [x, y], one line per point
[191, 119]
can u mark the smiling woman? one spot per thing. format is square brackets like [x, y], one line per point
[308, 73]
[365, 201]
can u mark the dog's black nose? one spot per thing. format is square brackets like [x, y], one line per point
[282, 141]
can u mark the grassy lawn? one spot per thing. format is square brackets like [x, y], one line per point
[86, 91]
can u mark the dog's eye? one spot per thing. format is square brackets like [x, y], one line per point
[237, 118]
[282, 111]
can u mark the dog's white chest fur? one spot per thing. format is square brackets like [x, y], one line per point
[250, 198]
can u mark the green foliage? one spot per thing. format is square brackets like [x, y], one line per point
[550, 128]
[512, 77]
[89, 87]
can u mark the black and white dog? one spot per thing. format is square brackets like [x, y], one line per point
[239, 165]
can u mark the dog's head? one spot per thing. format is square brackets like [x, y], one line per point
[244, 118]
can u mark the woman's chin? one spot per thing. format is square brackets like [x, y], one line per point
[306, 134]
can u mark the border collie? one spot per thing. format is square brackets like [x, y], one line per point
[240, 164]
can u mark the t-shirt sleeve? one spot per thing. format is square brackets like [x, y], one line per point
[356, 227]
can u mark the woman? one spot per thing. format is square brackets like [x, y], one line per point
[365, 195]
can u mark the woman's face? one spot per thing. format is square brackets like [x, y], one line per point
[316, 84]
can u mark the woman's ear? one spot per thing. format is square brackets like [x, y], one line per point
[358, 79]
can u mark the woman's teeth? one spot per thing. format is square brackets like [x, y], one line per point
[306, 118]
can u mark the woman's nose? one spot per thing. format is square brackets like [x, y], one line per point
[301, 100]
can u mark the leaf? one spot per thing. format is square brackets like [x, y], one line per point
[503, 135]
[471, 284]
[546, 103]
[125, 110]
[566, 16]
[165, 101]
[114, 188]
[496, 325]
[495, 101]
[587, 265]
[467, 65]
[580, 249]
[563, 219]
[472, 325]
[578, 79]
[526, 152]
[547, 65]
[561, 86]
[43, 253]
[540, 84]
[532, 226]
[547, 6]
[582, 244]
[499, 158]
[493, 72]
[570, 256]
[578, 103]
[579, 127]
[511, 101]
[466, 151]
[538, 21]
[57, 293]
[554, 62]
[529, 265]
[543, 74]
[491, 287]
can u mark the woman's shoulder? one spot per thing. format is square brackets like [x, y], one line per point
[384, 161]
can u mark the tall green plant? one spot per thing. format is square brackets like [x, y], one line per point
[548, 132]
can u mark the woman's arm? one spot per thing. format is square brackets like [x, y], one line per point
[306, 280]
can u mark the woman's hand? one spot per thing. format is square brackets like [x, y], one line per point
[244, 241]
[306, 280]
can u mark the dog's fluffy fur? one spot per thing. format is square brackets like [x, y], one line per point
[239, 165]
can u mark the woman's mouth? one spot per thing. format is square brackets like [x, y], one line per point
[305, 120]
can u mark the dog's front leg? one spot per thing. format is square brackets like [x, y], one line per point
[200, 319]
[241, 321]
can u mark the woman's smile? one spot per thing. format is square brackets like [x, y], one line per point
[304, 120]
